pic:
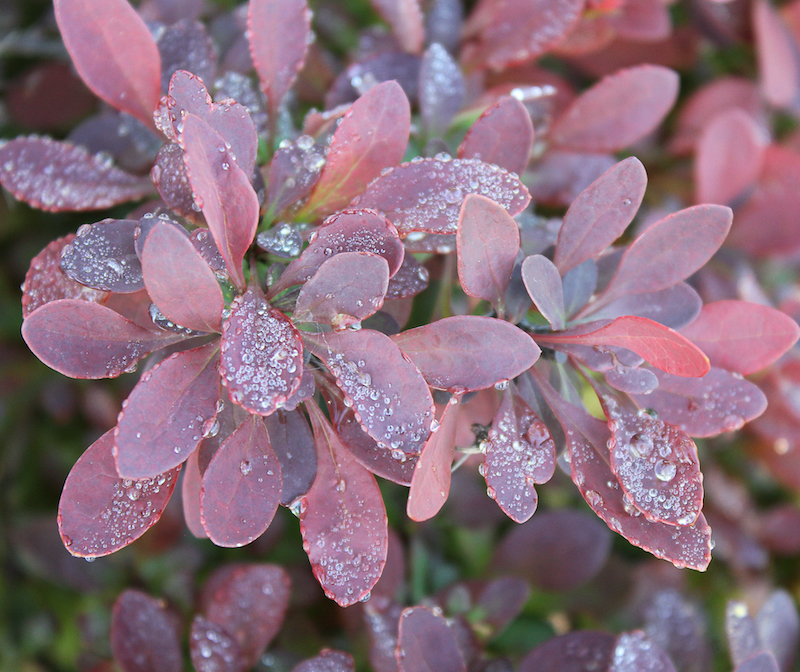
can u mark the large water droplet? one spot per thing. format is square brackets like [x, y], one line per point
[665, 471]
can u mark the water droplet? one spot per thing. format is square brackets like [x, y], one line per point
[641, 445]
[665, 471]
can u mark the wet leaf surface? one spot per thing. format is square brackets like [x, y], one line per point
[679, 628]
[411, 278]
[172, 181]
[744, 640]
[293, 172]
[212, 649]
[634, 652]
[441, 90]
[293, 443]
[427, 644]
[573, 652]
[186, 45]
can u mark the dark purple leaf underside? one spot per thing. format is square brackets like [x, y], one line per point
[293, 443]
[411, 278]
[634, 652]
[502, 135]
[57, 176]
[293, 172]
[406, 21]
[430, 484]
[617, 111]
[488, 241]
[327, 661]
[172, 181]
[85, 340]
[674, 307]
[559, 177]
[190, 495]
[342, 520]
[241, 487]
[180, 282]
[114, 53]
[441, 90]
[99, 512]
[412, 195]
[600, 214]
[144, 636]
[443, 23]
[466, 353]
[205, 245]
[212, 649]
[262, 355]
[427, 644]
[574, 652]
[543, 282]
[186, 45]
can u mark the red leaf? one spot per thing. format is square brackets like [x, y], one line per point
[114, 53]
[488, 242]
[279, 38]
[543, 282]
[633, 652]
[405, 19]
[212, 649]
[167, 413]
[327, 661]
[342, 520]
[617, 111]
[741, 336]
[85, 340]
[223, 192]
[144, 635]
[241, 487]
[466, 353]
[293, 443]
[372, 136]
[99, 512]
[430, 484]
[600, 214]
[441, 89]
[573, 652]
[412, 195]
[777, 51]
[262, 355]
[58, 176]
[502, 135]
[427, 644]
[179, 280]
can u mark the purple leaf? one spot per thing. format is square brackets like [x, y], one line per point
[574, 652]
[674, 307]
[384, 66]
[186, 45]
[427, 644]
[190, 495]
[293, 443]
[779, 627]
[441, 90]
[679, 628]
[411, 279]
[147, 223]
[579, 285]
[283, 240]
[405, 19]
[443, 23]
[212, 649]
[293, 172]
[502, 600]
[172, 181]
[412, 194]
[99, 512]
[560, 176]
[744, 640]
[777, 51]
[308, 386]
[761, 662]
[381, 621]
[144, 635]
[166, 415]
[208, 249]
[543, 282]
[57, 176]
[634, 652]
[327, 661]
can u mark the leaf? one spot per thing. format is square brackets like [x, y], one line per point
[223, 192]
[327, 661]
[488, 242]
[293, 172]
[741, 336]
[502, 135]
[114, 53]
[166, 415]
[426, 195]
[184, 44]
[148, 222]
[679, 628]
[411, 279]
[342, 520]
[600, 214]
[190, 495]
[674, 307]
[778, 58]
[241, 487]
[779, 626]
[427, 644]
[81, 339]
[761, 662]
[560, 176]
[618, 111]
[172, 181]
[262, 355]
[57, 176]
[744, 640]
[634, 652]
[441, 88]
[99, 512]
[467, 353]
[543, 282]
[179, 280]
[405, 19]
[430, 484]
[293, 443]
[579, 285]
[573, 652]
[212, 649]
[443, 25]
[144, 635]
[279, 32]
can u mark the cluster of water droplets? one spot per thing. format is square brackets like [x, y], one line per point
[214, 647]
[283, 240]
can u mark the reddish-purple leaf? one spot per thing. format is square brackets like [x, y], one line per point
[744, 640]
[371, 137]
[279, 32]
[58, 176]
[186, 45]
[634, 652]
[617, 111]
[99, 512]
[190, 495]
[385, 390]
[600, 214]
[502, 135]
[741, 336]
[430, 484]
[466, 353]
[223, 192]
[426, 195]
[674, 307]
[208, 249]
[384, 66]
[411, 278]
[148, 222]
[488, 242]
[543, 282]
[779, 627]
[82, 339]
[426, 643]
[293, 443]
[761, 662]
[441, 90]
[342, 520]
[327, 661]
[172, 181]
[114, 53]
[381, 622]
[283, 240]
[180, 282]
[577, 651]
[778, 62]
[679, 628]
[347, 288]
[212, 649]
[144, 635]
[560, 177]
[293, 172]
[262, 354]
[406, 21]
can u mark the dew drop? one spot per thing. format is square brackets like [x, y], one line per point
[665, 471]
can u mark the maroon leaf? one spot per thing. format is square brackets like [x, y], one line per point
[634, 652]
[427, 644]
[574, 652]
[468, 352]
[430, 484]
[543, 282]
[488, 242]
[99, 512]
[190, 495]
[674, 307]
[168, 412]
[405, 19]
[600, 214]
[293, 443]
[262, 355]
[502, 135]
[777, 51]
[293, 172]
[85, 340]
[327, 661]
[617, 111]
[172, 181]
[441, 90]
[412, 195]
[114, 53]
[411, 279]
[57, 176]
[342, 520]
[223, 192]
[180, 282]
[144, 635]
[212, 649]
